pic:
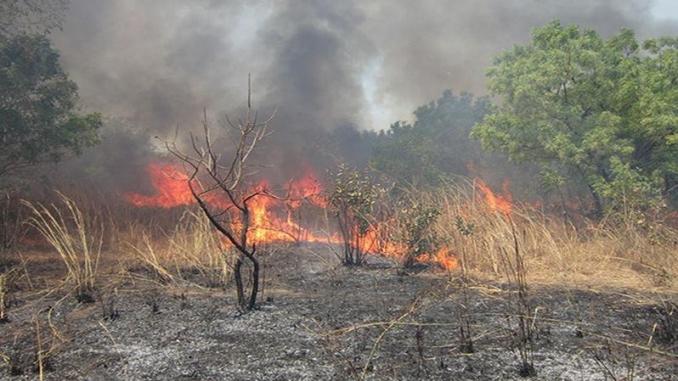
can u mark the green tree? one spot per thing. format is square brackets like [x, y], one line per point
[39, 116]
[435, 145]
[30, 16]
[588, 109]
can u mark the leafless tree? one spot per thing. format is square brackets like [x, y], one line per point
[216, 182]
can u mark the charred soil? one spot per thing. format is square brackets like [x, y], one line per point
[319, 320]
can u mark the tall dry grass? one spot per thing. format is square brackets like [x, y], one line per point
[5, 279]
[76, 236]
[553, 248]
[189, 253]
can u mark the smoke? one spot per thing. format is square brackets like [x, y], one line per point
[322, 64]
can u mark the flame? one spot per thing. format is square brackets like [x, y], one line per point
[443, 258]
[170, 183]
[372, 243]
[497, 202]
[272, 218]
[307, 188]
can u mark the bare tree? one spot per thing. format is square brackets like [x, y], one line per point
[216, 182]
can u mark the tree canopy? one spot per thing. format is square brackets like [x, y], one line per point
[435, 145]
[30, 16]
[601, 111]
[39, 117]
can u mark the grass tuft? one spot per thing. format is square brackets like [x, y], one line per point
[76, 237]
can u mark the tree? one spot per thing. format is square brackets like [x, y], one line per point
[39, 117]
[599, 111]
[30, 16]
[435, 145]
[216, 183]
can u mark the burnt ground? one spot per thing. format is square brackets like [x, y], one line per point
[321, 321]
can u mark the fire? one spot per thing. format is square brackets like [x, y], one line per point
[170, 183]
[306, 188]
[497, 202]
[443, 258]
[371, 243]
[272, 217]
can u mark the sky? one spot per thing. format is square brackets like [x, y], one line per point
[665, 9]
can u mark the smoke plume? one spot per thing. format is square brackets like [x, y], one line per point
[323, 64]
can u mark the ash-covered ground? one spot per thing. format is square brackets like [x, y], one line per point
[318, 320]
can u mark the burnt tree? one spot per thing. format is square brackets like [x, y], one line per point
[216, 183]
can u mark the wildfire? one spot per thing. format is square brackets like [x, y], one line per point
[306, 188]
[170, 184]
[268, 221]
[497, 202]
[443, 258]
[371, 243]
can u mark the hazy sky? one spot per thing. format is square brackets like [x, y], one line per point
[322, 63]
[665, 9]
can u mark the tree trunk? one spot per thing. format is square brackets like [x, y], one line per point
[255, 283]
[597, 201]
[237, 275]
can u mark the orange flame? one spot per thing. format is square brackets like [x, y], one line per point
[170, 183]
[497, 202]
[443, 258]
[306, 188]
[171, 189]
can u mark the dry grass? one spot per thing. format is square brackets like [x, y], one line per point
[5, 279]
[636, 254]
[486, 242]
[190, 253]
[76, 236]
[181, 246]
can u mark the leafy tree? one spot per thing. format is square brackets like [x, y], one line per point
[30, 16]
[435, 145]
[39, 118]
[599, 111]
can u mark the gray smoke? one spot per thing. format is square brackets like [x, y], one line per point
[323, 64]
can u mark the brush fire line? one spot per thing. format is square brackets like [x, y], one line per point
[170, 190]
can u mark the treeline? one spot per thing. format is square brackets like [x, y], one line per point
[577, 115]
